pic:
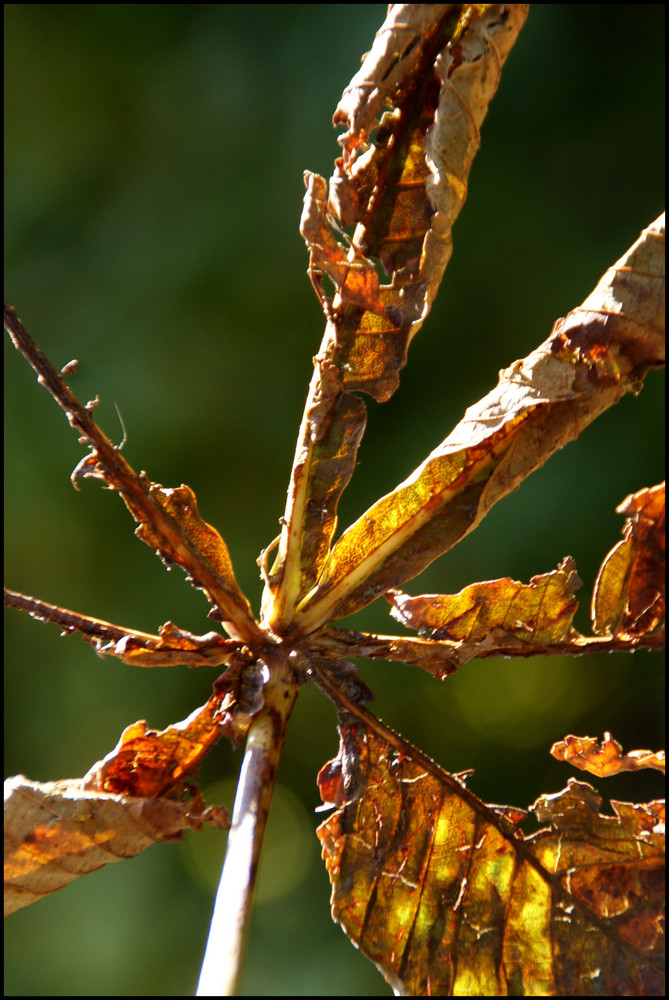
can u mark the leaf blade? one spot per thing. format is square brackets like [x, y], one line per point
[629, 594]
[57, 831]
[600, 351]
[447, 898]
[396, 188]
[540, 612]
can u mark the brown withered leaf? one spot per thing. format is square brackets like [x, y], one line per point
[594, 356]
[605, 759]
[57, 831]
[431, 74]
[628, 598]
[331, 431]
[353, 274]
[540, 612]
[168, 519]
[127, 801]
[449, 898]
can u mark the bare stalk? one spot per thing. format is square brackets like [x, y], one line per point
[221, 965]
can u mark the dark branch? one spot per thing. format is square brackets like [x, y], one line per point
[107, 463]
[172, 647]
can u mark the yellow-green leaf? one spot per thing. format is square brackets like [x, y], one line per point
[449, 898]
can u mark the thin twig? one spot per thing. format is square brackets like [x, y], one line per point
[106, 462]
[174, 646]
[72, 621]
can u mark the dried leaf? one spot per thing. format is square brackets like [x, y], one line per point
[439, 658]
[353, 274]
[173, 647]
[606, 759]
[150, 763]
[128, 800]
[180, 506]
[540, 612]
[629, 594]
[448, 898]
[57, 831]
[432, 73]
[322, 468]
[598, 353]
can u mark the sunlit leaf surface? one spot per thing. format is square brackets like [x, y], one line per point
[540, 611]
[447, 895]
[595, 355]
[142, 792]
[449, 898]
[57, 831]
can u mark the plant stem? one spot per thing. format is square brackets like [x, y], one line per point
[221, 966]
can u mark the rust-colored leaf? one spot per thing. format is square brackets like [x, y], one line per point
[57, 831]
[430, 75]
[150, 763]
[594, 356]
[353, 274]
[201, 538]
[629, 594]
[606, 759]
[448, 898]
[174, 647]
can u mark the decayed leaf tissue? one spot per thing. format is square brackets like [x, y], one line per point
[447, 895]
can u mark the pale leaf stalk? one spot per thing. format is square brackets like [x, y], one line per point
[221, 966]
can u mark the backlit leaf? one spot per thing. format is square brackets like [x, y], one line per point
[594, 356]
[172, 646]
[192, 532]
[449, 898]
[133, 797]
[168, 519]
[629, 594]
[606, 759]
[150, 763]
[57, 831]
[540, 612]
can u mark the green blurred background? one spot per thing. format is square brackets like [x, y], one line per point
[154, 157]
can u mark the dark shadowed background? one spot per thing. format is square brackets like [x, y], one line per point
[154, 158]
